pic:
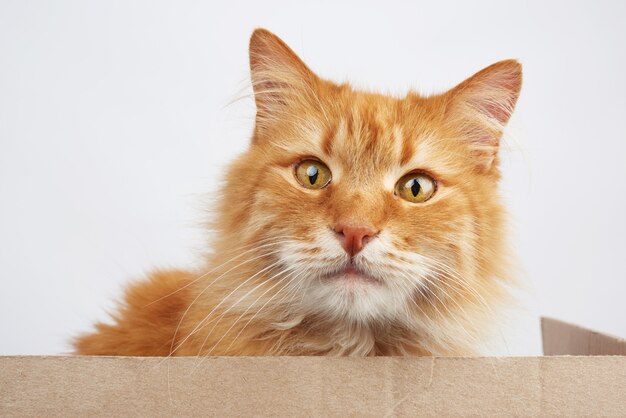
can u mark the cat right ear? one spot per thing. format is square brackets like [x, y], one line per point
[481, 107]
[278, 75]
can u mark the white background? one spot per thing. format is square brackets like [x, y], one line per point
[115, 126]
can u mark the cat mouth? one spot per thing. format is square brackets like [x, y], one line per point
[352, 275]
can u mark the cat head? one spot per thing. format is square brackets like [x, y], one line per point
[375, 208]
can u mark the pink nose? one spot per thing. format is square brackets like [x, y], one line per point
[354, 237]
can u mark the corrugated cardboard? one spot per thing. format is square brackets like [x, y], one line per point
[561, 338]
[315, 386]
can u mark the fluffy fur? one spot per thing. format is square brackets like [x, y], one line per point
[439, 266]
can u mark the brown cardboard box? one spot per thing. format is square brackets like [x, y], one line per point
[593, 382]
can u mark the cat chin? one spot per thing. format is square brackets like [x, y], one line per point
[352, 297]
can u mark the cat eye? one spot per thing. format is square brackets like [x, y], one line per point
[415, 187]
[312, 174]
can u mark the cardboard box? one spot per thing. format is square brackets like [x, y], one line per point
[593, 382]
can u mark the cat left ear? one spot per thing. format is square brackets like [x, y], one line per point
[278, 75]
[481, 107]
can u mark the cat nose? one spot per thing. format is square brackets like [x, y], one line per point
[354, 237]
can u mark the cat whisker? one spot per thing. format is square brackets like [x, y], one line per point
[460, 281]
[172, 349]
[221, 316]
[447, 271]
[288, 276]
[451, 314]
[255, 246]
[295, 286]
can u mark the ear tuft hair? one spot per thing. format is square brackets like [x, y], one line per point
[482, 106]
[278, 74]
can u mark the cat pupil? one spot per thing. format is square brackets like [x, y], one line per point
[415, 187]
[312, 172]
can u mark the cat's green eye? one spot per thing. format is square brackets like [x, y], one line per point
[312, 174]
[415, 187]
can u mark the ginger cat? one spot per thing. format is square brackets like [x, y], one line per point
[355, 224]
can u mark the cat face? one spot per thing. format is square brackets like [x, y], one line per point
[379, 208]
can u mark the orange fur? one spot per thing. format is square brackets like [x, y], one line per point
[264, 291]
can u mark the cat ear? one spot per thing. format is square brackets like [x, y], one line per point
[481, 107]
[278, 74]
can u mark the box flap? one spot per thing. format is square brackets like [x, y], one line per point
[312, 386]
[561, 338]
